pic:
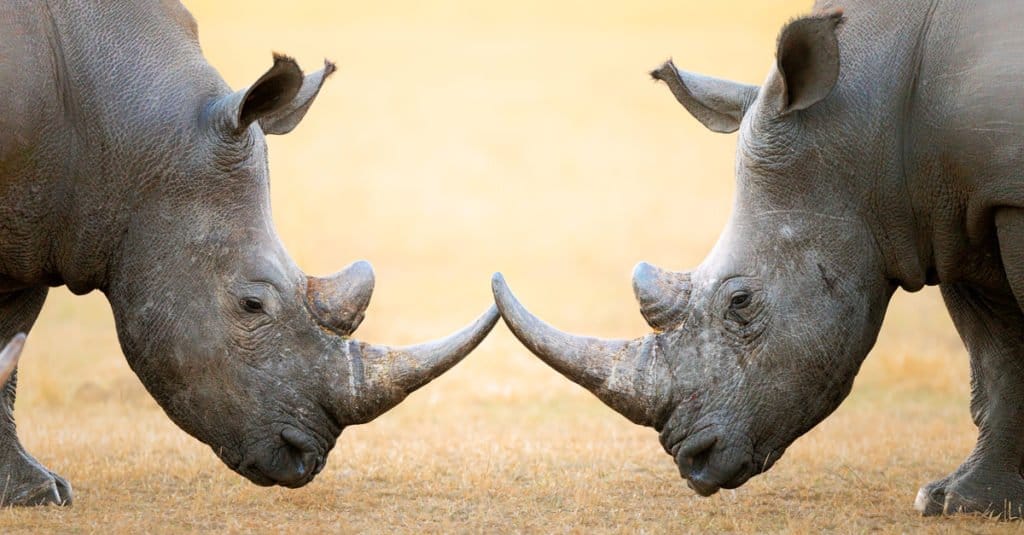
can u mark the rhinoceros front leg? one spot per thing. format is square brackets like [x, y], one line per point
[23, 481]
[989, 481]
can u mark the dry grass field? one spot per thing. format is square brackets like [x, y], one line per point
[457, 139]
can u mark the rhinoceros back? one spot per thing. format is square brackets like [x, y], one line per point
[95, 93]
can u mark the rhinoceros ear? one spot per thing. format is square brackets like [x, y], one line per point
[807, 62]
[283, 120]
[278, 100]
[718, 104]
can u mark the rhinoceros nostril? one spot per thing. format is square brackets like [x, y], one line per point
[692, 453]
[303, 457]
[297, 439]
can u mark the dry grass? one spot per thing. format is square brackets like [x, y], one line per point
[456, 140]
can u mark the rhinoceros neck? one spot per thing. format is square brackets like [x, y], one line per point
[880, 54]
[935, 91]
[132, 83]
[964, 133]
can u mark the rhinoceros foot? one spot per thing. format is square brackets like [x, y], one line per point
[931, 499]
[25, 482]
[998, 494]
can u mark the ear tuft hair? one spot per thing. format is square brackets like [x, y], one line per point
[657, 75]
[834, 16]
[329, 67]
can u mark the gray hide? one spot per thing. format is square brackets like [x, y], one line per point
[884, 150]
[128, 166]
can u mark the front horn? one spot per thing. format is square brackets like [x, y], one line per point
[380, 377]
[630, 376]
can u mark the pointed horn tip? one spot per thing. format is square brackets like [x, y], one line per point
[403, 370]
[643, 272]
[578, 358]
[471, 334]
[452, 349]
[361, 269]
[359, 274]
[503, 297]
[513, 312]
[498, 282]
[645, 276]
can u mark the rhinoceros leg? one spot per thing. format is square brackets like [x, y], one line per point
[23, 481]
[989, 481]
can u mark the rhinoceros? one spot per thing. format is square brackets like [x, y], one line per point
[128, 166]
[884, 150]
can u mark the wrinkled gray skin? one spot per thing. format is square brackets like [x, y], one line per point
[128, 166]
[884, 150]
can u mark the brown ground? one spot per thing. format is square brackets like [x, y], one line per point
[457, 140]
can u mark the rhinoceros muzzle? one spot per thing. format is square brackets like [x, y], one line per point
[292, 462]
[708, 464]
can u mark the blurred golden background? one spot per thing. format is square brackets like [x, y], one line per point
[455, 140]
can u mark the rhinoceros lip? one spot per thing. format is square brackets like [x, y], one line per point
[700, 464]
[702, 487]
[303, 450]
[703, 483]
[253, 475]
[692, 450]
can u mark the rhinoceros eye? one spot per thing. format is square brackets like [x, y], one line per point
[740, 300]
[251, 304]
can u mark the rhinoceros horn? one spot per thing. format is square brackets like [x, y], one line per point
[9, 357]
[630, 376]
[339, 301]
[379, 377]
[663, 295]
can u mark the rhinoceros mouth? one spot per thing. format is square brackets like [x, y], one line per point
[705, 481]
[708, 465]
[292, 461]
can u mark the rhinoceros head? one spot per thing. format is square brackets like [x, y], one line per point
[763, 339]
[240, 347]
